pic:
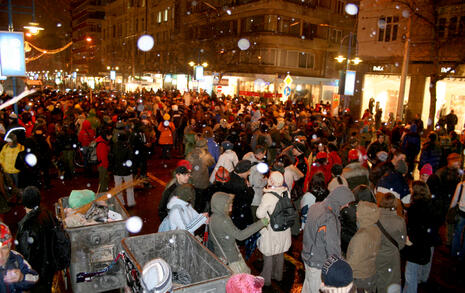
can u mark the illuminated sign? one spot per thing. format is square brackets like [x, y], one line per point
[12, 54]
[447, 70]
[349, 83]
[112, 75]
[378, 68]
[198, 73]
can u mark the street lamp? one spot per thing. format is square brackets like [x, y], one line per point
[33, 28]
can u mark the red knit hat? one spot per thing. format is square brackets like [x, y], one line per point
[353, 155]
[5, 235]
[184, 163]
[426, 169]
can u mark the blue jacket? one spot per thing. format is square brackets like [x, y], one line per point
[30, 277]
[394, 182]
[431, 154]
[213, 149]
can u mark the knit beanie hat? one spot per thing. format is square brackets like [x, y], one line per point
[5, 235]
[336, 272]
[186, 192]
[276, 179]
[426, 169]
[184, 163]
[227, 145]
[244, 283]
[31, 197]
[401, 167]
[243, 166]
[166, 117]
[157, 276]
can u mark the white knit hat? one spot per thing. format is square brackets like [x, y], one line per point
[276, 179]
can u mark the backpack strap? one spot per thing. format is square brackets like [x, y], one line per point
[218, 244]
[388, 236]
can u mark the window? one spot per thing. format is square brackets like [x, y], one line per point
[340, 7]
[310, 30]
[289, 26]
[461, 31]
[165, 18]
[159, 17]
[268, 56]
[452, 26]
[253, 24]
[306, 60]
[442, 28]
[136, 25]
[388, 28]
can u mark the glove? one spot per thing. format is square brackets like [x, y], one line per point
[265, 221]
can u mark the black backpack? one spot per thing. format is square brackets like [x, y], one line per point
[60, 245]
[284, 215]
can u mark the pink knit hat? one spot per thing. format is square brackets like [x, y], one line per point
[245, 283]
[426, 169]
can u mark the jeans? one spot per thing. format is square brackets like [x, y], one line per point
[129, 191]
[415, 273]
[458, 246]
[312, 281]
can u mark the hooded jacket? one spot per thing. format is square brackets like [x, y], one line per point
[364, 246]
[87, 134]
[225, 231]
[388, 264]
[355, 174]
[272, 242]
[182, 216]
[200, 159]
[166, 133]
[103, 149]
[322, 230]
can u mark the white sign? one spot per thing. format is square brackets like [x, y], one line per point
[378, 68]
[447, 70]
[12, 54]
[350, 83]
[112, 75]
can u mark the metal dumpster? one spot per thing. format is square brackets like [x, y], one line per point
[94, 247]
[183, 252]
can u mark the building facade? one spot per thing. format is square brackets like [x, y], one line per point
[436, 49]
[300, 38]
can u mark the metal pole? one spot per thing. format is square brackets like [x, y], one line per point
[10, 28]
[403, 78]
[33, 11]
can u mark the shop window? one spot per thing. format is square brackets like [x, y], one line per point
[452, 26]
[388, 32]
[442, 27]
[461, 31]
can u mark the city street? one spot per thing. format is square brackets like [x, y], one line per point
[444, 275]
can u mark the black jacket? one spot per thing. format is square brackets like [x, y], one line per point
[243, 196]
[121, 159]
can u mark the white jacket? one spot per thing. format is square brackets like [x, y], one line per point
[182, 216]
[256, 179]
[228, 160]
[291, 175]
[272, 242]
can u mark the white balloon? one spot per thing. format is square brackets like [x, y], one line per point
[243, 44]
[145, 43]
[134, 224]
[31, 159]
[351, 9]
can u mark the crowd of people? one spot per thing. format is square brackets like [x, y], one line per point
[366, 193]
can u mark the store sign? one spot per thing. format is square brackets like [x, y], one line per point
[12, 61]
[224, 82]
[378, 68]
[349, 83]
[447, 70]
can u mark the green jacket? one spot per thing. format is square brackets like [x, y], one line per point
[225, 231]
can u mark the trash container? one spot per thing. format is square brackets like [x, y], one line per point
[184, 253]
[94, 247]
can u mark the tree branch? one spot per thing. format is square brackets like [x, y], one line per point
[413, 10]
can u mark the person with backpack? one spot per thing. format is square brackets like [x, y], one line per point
[272, 244]
[33, 238]
[322, 237]
[86, 136]
[166, 140]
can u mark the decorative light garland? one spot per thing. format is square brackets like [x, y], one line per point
[44, 52]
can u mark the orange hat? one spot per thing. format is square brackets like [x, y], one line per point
[222, 175]
[5, 235]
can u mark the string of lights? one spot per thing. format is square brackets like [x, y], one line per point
[55, 51]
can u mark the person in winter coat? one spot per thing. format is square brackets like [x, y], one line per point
[272, 244]
[364, 246]
[181, 214]
[239, 185]
[411, 146]
[182, 174]
[200, 160]
[321, 237]
[33, 238]
[18, 275]
[166, 140]
[224, 233]
[103, 149]
[318, 187]
[336, 173]
[228, 159]
[94, 121]
[257, 178]
[431, 153]
[213, 147]
[348, 214]
[355, 173]
[321, 165]
[377, 146]
[388, 271]
[86, 136]
[458, 246]
[121, 162]
[386, 167]
[8, 156]
[395, 182]
[422, 227]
